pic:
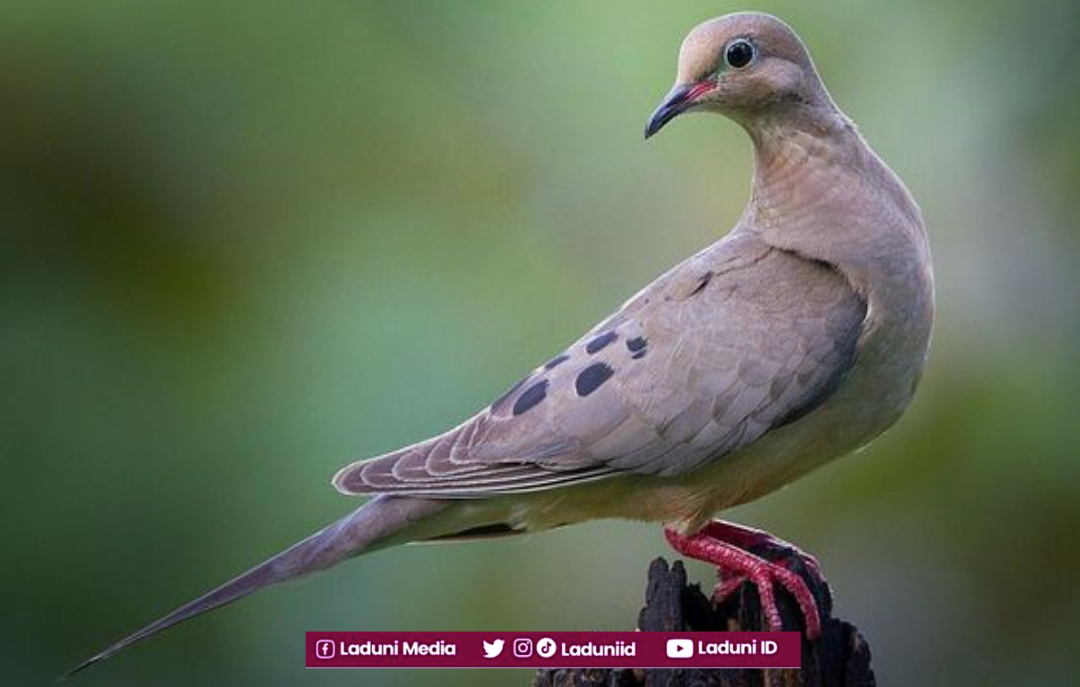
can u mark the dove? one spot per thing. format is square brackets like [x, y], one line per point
[796, 338]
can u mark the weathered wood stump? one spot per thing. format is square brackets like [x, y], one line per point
[841, 658]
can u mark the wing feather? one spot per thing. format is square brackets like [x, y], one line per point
[739, 339]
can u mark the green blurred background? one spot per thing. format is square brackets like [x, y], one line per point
[241, 246]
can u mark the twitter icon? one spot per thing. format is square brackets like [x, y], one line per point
[493, 649]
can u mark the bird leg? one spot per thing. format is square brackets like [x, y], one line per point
[764, 545]
[745, 554]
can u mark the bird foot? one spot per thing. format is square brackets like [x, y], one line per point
[744, 554]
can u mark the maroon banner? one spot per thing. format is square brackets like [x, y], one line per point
[553, 649]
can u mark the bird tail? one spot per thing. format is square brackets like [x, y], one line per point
[382, 522]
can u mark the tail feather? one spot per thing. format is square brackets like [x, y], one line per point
[379, 523]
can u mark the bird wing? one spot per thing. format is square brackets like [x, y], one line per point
[740, 338]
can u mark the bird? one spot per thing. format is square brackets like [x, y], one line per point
[797, 337]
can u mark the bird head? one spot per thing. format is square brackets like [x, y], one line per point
[747, 66]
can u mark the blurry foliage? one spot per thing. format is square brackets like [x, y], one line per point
[242, 245]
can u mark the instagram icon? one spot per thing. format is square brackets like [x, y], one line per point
[523, 647]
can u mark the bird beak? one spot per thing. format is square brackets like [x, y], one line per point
[679, 100]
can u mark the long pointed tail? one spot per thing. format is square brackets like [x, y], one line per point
[382, 522]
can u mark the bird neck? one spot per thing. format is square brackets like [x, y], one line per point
[786, 140]
[816, 179]
[809, 166]
[820, 191]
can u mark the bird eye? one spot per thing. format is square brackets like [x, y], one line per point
[739, 53]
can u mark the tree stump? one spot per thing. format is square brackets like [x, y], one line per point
[840, 658]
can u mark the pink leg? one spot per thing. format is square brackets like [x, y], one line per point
[764, 545]
[725, 546]
[727, 586]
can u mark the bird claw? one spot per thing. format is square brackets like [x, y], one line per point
[744, 554]
[727, 586]
[766, 546]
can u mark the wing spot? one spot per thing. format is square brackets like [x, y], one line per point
[556, 361]
[501, 400]
[590, 379]
[532, 396]
[598, 343]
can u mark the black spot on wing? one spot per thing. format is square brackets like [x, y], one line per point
[556, 361]
[598, 343]
[638, 347]
[501, 400]
[533, 395]
[590, 379]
